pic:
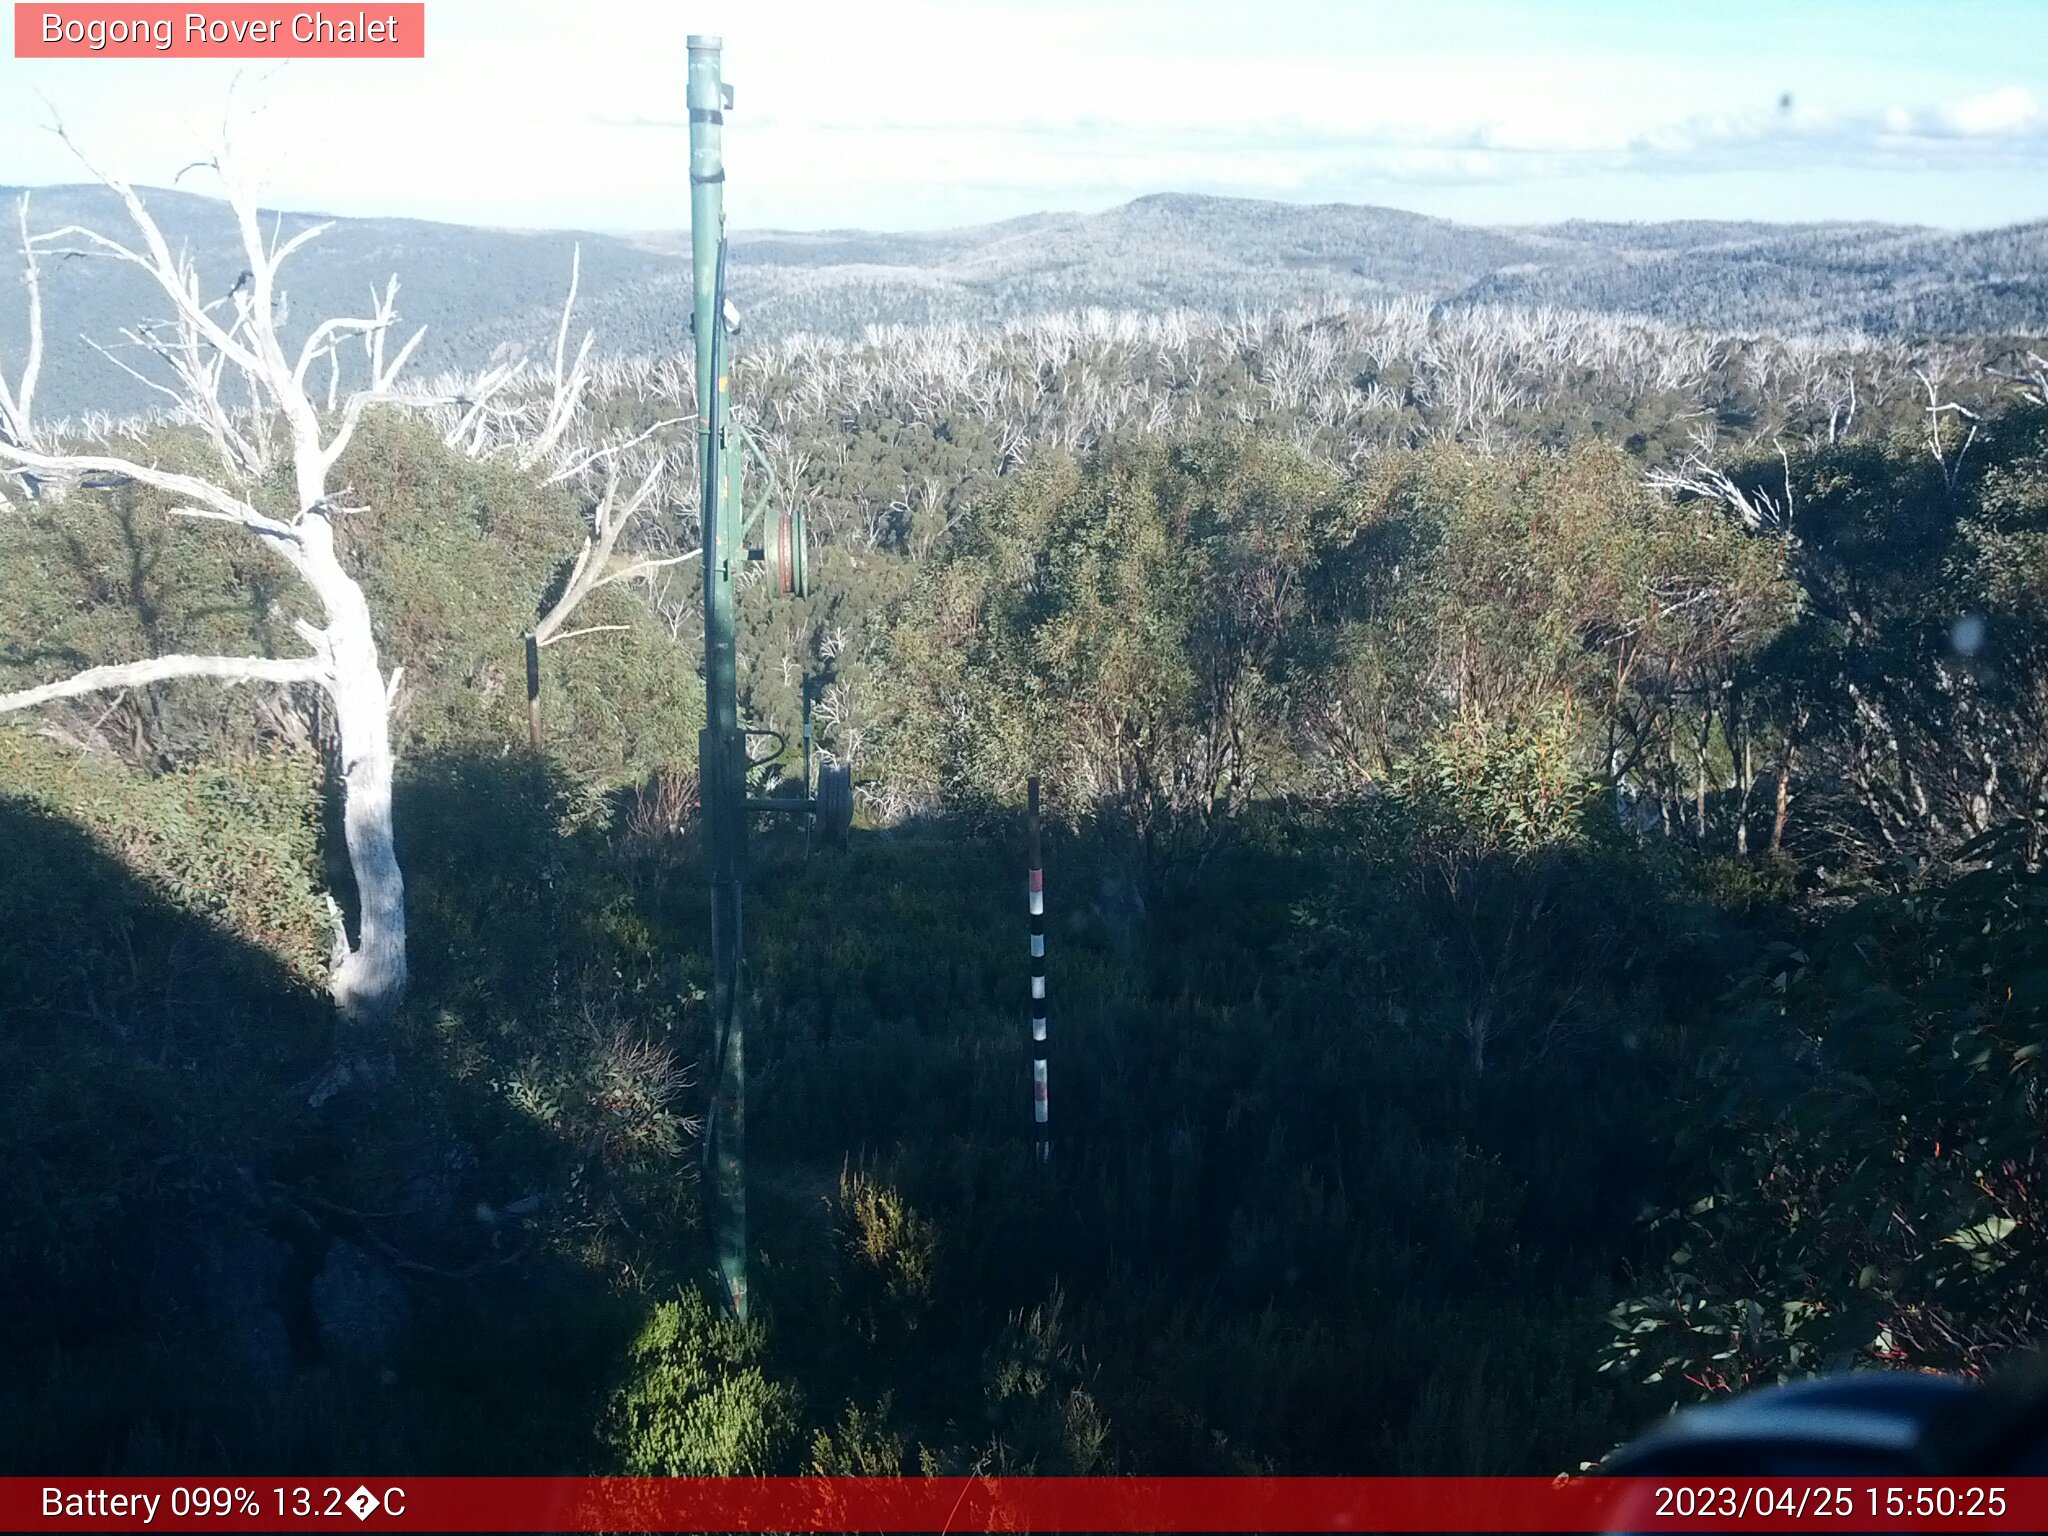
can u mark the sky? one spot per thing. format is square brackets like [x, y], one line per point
[917, 114]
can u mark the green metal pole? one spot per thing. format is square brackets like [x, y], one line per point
[720, 747]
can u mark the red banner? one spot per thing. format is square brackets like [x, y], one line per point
[1022, 1504]
[260, 31]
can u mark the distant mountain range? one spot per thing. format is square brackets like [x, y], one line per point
[482, 292]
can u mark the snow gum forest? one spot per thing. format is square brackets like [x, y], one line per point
[1543, 771]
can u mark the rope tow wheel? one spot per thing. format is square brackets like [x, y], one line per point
[793, 556]
[835, 802]
[788, 556]
[830, 805]
[785, 548]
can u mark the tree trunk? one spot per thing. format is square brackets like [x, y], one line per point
[1784, 806]
[1748, 772]
[533, 690]
[1735, 736]
[1699, 788]
[1785, 766]
[370, 975]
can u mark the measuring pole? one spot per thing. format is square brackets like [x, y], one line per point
[721, 748]
[1041, 1100]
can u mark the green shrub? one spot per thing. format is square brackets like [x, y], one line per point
[697, 1402]
[234, 838]
[1875, 1120]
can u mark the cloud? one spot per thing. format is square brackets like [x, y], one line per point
[916, 112]
[1167, 144]
[1044, 160]
[2005, 112]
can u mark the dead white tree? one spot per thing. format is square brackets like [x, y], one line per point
[1760, 511]
[570, 381]
[17, 403]
[2029, 376]
[1937, 440]
[209, 346]
[598, 564]
[470, 432]
[503, 409]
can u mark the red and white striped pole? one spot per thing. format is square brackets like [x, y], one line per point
[1041, 1102]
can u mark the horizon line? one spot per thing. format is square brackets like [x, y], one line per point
[644, 232]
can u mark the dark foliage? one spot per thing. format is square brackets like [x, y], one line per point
[1431, 841]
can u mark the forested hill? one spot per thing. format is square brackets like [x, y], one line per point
[477, 289]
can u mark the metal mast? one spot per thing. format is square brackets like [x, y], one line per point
[722, 760]
[721, 749]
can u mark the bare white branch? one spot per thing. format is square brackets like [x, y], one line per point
[608, 521]
[221, 503]
[569, 384]
[160, 669]
[605, 451]
[17, 405]
[640, 568]
[589, 629]
[1760, 511]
